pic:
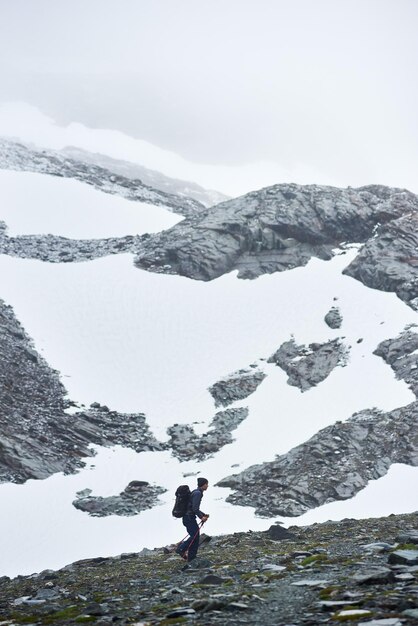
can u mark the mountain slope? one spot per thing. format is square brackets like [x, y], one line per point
[19, 157]
[359, 571]
[154, 179]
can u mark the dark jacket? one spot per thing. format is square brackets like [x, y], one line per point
[194, 504]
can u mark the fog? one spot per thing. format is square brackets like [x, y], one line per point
[327, 89]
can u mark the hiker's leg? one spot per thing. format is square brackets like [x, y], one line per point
[190, 523]
[193, 540]
[194, 545]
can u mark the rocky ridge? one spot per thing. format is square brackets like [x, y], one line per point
[16, 156]
[339, 460]
[152, 178]
[284, 226]
[274, 229]
[360, 571]
[57, 249]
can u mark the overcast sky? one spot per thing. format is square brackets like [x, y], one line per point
[327, 85]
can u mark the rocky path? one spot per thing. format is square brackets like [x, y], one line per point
[359, 571]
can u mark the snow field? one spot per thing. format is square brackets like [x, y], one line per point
[33, 204]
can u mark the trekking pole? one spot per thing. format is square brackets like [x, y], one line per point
[185, 537]
[186, 552]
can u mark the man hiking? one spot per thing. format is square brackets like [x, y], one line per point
[188, 548]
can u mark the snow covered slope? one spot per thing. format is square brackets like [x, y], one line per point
[155, 343]
[151, 346]
[39, 204]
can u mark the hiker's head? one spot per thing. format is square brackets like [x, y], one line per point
[202, 483]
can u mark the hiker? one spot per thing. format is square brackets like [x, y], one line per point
[190, 546]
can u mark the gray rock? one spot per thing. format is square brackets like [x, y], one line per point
[186, 445]
[404, 577]
[397, 269]
[212, 579]
[404, 557]
[334, 318]
[373, 576]
[388, 621]
[308, 366]
[180, 612]
[274, 229]
[236, 386]
[352, 614]
[237, 606]
[272, 567]
[277, 533]
[332, 605]
[96, 609]
[378, 546]
[136, 497]
[312, 582]
[410, 536]
[334, 464]
[401, 354]
[411, 613]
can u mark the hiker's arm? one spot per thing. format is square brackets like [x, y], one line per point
[196, 499]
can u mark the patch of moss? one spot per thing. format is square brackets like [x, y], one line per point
[315, 558]
[81, 619]
[25, 619]
[328, 592]
[68, 613]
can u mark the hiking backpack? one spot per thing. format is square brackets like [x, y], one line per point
[182, 501]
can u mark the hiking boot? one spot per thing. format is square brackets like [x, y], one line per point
[180, 553]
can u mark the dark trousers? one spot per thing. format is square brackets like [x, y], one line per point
[192, 543]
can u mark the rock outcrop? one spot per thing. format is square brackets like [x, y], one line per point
[16, 156]
[389, 260]
[186, 444]
[334, 318]
[401, 354]
[334, 464]
[270, 230]
[236, 386]
[274, 229]
[38, 437]
[56, 249]
[307, 366]
[136, 497]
